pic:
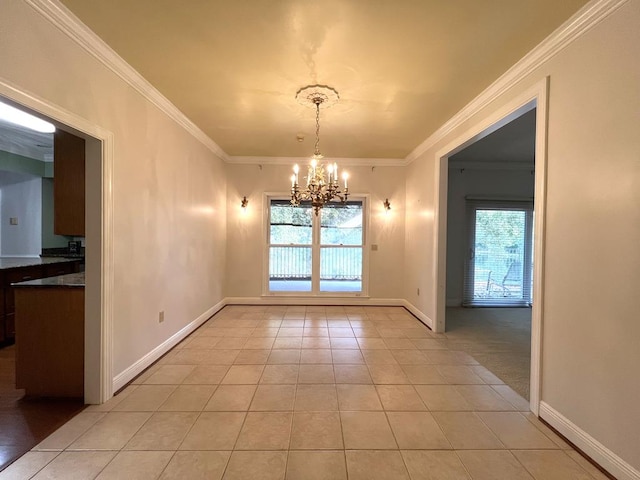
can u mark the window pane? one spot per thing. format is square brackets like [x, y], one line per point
[341, 224]
[290, 269]
[499, 254]
[341, 269]
[290, 225]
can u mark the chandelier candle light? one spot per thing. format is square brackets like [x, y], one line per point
[320, 188]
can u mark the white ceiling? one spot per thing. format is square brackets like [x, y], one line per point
[402, 67]
[26, 142]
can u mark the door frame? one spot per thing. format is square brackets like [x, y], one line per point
[534, 97]
[98, 331]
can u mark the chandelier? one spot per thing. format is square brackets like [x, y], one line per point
[321, 186]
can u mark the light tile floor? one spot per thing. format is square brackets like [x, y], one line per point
[308, 393]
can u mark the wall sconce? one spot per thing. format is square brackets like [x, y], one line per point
[244, 202]
[387, 205]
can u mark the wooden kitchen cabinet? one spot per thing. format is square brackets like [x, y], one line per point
[50, 346]
[21, 274]
[68, 184]
[12, 276]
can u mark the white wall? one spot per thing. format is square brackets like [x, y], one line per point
[169, 190]
[499, 183]
[247, 230]
[21, 198]
[592, 265]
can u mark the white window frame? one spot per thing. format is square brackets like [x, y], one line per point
[315, 249]
[518, 204]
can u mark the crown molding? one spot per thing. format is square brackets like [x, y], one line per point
[585, 19]
[580, 23]
[58, 15]
[348, 162]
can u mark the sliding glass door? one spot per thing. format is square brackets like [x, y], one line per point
[500, 256]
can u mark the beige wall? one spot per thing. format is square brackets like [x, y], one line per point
[170, 213]
[169, 190]
[247, 231]
[590, 318]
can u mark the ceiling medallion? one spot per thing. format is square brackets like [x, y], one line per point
[320, 188]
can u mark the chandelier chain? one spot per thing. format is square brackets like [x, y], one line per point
[317, 101]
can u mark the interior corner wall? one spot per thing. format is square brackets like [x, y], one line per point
[247, 231]
[479, 182]
[21, 198]
[592, 261]
[169, 190]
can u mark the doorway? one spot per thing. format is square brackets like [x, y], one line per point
[533, 98]
[489, 243]
[98, 377]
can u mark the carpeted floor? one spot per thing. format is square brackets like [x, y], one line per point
[498, 338]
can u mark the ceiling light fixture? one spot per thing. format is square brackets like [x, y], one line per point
[18, 117]
[320, 188]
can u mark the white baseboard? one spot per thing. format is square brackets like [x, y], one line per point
[589, 445]
[145, 362]
[419, 315]
[302, 300]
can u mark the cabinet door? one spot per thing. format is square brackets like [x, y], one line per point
[68, 184]
[12, 276]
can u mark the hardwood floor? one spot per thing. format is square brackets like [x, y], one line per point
[25, 422]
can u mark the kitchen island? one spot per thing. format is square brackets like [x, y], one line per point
[50, 336]
[18, 269]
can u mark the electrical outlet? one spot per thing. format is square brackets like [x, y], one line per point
[161, 317]
[418, 291]
[13, 221]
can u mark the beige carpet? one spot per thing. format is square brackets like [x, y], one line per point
[498, 338]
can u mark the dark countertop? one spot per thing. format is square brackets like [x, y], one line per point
[74, 256]
[71, 280]
[16, 262]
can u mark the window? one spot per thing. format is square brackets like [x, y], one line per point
[316, 254]
[499, 265]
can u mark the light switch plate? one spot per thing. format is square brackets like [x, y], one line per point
[13, 221]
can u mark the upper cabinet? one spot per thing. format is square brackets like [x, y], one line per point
[68, 184]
